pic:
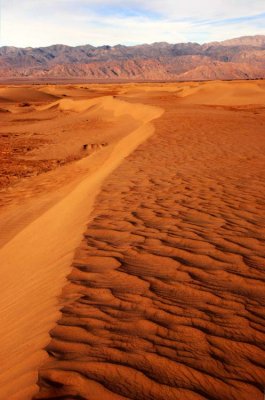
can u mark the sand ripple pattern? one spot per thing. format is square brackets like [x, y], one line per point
[166, 298]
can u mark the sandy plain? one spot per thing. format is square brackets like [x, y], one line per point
[132, 241]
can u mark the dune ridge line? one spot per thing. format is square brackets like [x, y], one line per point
[37, 272]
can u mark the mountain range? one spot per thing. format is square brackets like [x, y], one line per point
[240, 58]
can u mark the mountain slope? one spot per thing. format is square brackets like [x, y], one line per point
[232, 59]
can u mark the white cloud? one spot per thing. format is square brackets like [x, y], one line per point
[44, 22]
[204, 9]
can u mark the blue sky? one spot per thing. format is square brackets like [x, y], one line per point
[74, 22]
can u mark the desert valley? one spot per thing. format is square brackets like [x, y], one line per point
[132, 241]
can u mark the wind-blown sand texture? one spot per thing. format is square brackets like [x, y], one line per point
[164, 297]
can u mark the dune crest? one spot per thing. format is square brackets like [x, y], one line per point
[133, 270]
[166, 296]
[37, 258]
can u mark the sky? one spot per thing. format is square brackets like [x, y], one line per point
[35, 23]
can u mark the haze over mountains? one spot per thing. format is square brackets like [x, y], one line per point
[240, 58]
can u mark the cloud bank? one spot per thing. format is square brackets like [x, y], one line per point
[97, 22]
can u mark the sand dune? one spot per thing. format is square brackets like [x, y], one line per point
[36, 273]
[162, 235]
[16, 94]
[224, 93]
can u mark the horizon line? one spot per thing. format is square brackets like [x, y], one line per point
[132, 45]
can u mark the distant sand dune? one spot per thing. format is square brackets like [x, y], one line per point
[224, 93]
[14, 94]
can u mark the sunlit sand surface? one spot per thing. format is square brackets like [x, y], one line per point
[132, 241]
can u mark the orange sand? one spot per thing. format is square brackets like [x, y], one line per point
[165, 298]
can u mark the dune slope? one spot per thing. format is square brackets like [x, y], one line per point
[166, 297]
[39, 236]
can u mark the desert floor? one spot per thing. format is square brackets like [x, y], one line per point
[132, 241]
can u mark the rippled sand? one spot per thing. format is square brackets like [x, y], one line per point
[165, 298]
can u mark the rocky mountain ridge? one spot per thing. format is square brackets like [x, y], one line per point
[240, 58]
